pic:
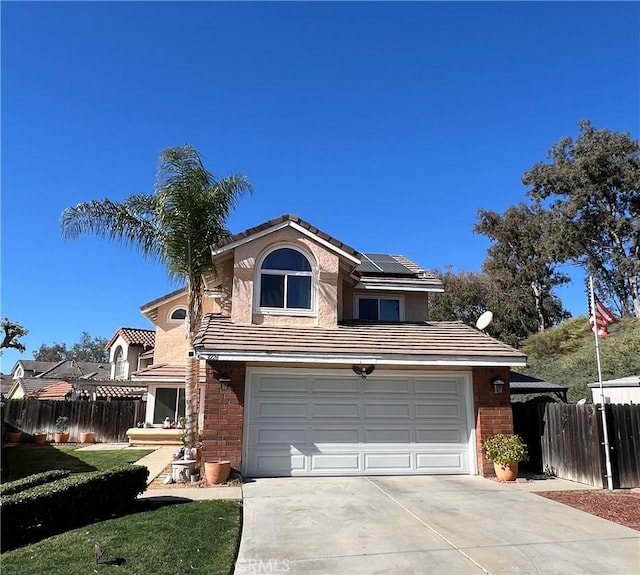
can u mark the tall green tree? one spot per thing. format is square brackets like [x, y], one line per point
[12, 333]
[91, 349]
[175, 225]
[521, 260]
[591, 187]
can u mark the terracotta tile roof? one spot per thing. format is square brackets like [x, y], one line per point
[282, 220]
[135, 336]
[59, 391]
[420, 343]
[165, 371]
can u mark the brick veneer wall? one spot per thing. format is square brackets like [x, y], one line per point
[223, 414]
[492, 411]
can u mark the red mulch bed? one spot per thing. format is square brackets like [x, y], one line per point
[620, 506]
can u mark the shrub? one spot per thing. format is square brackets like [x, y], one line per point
[502, 449]
[62, 423]
[69, 502]
[33, 481]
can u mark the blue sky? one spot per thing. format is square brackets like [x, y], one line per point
[387, 125]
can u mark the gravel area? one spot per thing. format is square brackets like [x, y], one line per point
[621, 506]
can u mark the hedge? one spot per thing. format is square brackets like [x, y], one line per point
[69, 502]
[33, 481]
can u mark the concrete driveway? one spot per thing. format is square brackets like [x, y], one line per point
[435, 524]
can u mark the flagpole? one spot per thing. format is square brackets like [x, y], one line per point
[607, 454]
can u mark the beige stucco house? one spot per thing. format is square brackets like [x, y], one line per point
[321, 360]
[318, 359]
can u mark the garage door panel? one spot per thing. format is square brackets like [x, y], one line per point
[438, 386]
[275, 384]
[441, 435]
[387, 435]
[268, 436]
[335, 409]
[386, 410]
[444, 462]
[332, 423]
[332, 385]
[277, 464]
[329, 462]
[440, 410]
[387, 386]
[387, 462]
[335, 435]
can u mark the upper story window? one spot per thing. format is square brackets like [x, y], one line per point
[177, 315]
[286, 281]
[118, 359]
[380, 308]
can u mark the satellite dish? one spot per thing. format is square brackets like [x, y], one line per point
[484, 320]
[581, 401]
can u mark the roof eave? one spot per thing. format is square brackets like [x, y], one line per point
[405, 360]
[281, 225]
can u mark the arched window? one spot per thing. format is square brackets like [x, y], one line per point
[177, 315]
[286, 281]
[118, 359]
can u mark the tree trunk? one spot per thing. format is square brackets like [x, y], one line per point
[635, 295]
[538, 297]
[192, 367]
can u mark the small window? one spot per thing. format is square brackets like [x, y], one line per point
[286, 281]
[379, 309]
[120, 371]
[178, 314]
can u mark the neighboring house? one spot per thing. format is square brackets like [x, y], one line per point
[621, 390]
[321, 360]
[30, 376]
[130, 349]
[6, 383]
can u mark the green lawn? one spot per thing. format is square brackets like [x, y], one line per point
[199, 537]
[25, 460]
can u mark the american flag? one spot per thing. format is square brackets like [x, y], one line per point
[601, 319]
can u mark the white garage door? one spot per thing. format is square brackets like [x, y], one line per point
[335, 423]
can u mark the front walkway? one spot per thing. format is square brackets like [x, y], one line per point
[424, 524]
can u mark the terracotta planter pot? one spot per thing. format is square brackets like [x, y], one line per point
[87, 437]
[39, 438]
[13, 436]
[61, 437]
[217, 472]
[506, 472]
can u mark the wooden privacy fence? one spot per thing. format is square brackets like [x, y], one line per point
[568, 440]
[108, 419]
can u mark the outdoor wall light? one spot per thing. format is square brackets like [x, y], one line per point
[224, 380]
[363, 370]
[498, 385]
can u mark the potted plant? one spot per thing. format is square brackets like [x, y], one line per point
[505, 451]
[217, 472]
[39, 437]
[87, 437]
[62, 423]
[12, 434]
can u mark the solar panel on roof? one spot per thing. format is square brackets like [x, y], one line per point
[382, 264]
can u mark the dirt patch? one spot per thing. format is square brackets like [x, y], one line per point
[621, 506]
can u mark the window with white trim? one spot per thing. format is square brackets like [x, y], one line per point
[379, 308]
[169, 402]
[121, 366]
[286, 281]
[177, 315]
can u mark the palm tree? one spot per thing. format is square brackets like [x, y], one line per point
[176, 225]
